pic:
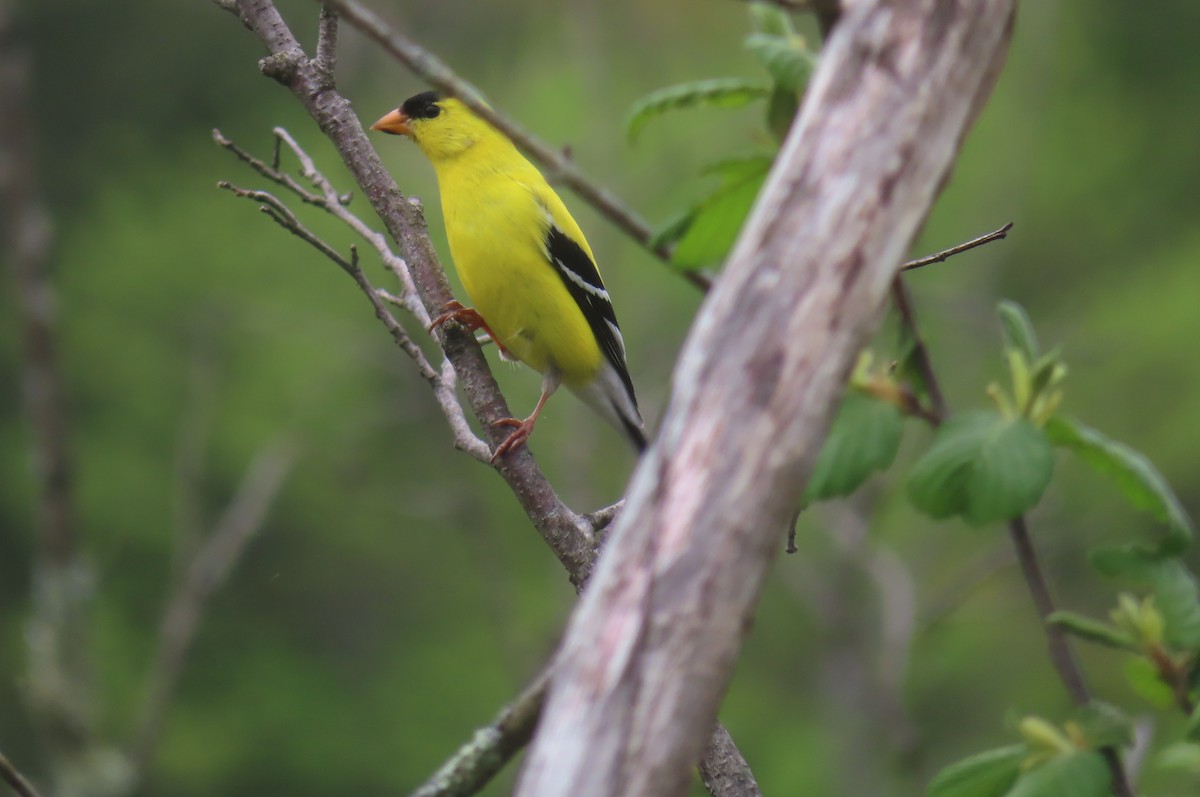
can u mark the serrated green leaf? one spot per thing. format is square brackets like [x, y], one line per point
[982, 467]
[1175, 589]
[1018, 330]
[1138, 479]
[718, 219]
[864, 438]
[714, 93]
[1093, 630]
[786, 58]
[989, 774]
[1178, 600]
[1081, 774]
[1142, 677]
[1104, 725]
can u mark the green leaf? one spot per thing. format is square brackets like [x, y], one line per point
[864, 438]
[1081, 774]
[714, 93]
[1018, 330]
[1180, 756]
[1093, 630]
[1142, 677]
[781, 112]
[770, 19]
[1178, 600]
[717, 220]
[1138, 479]
[672, 229]
[1191, 730]
[1176, 592]
[1133, 561]
[786, 58]
[989, 774]
[983, 467]
[1104, 725]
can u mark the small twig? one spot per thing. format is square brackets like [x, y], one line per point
[945, 254]
[206, 572]
[443, 382]
[431, 68]
[908, 321]
[14, 778]
[479, 760]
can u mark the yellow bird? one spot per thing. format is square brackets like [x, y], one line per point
[524, 263]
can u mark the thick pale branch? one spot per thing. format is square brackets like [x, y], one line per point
[650, 648]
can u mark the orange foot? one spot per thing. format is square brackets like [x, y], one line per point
[516, 438]
[470, 318]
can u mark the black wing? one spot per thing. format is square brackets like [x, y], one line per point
[579, 274]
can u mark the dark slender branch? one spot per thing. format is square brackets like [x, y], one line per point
[206, 572]
[432, 69]
[945, 254]
[1061, 654]
[14, 778]
[902, 299]
[477, 762]
[828, 12]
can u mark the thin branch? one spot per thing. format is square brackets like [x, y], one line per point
[902, 299]
[491, 748]
[442, 383]
[1061, 654]
[432, 69]
[945, 254]
[206, 572]
[13, 777]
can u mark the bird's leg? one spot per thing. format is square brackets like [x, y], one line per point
[470, 318]
[522, 429]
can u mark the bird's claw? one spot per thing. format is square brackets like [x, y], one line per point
[470, 318]
[515, 439]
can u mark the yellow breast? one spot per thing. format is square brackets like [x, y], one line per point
[496, 225]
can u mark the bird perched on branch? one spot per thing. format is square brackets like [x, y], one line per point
[524, 263]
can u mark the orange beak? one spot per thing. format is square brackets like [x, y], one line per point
[395, 122]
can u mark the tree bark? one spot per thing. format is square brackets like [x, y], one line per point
[650, 649]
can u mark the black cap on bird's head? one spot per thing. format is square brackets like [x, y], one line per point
[419, 106]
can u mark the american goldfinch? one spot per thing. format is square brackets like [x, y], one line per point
[524, 263]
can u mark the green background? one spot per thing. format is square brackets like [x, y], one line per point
[396, 596]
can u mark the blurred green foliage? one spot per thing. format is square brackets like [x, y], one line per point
[396, 596]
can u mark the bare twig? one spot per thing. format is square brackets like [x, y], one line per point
[206, 572]
[442, 383]
[477, 762]
[902, 300]
[1061, 654]
[13, 777]
[431, 68]
[945, 254]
